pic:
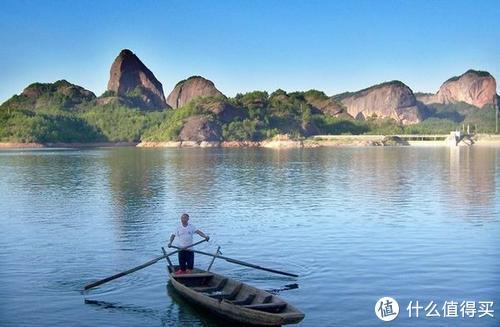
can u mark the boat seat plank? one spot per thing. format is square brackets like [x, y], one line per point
[248, 300]
[267, 299]
[210, 289]
[228, 296]
[196, 275]
[268, 307]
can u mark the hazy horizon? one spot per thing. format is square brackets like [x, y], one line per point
[244, 46]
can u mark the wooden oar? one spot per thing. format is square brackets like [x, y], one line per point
[170, 265]
[144, 265]
[213, 259]
[242, 263]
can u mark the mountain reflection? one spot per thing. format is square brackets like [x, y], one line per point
[194, 173]
[471, 181]
[136, 182]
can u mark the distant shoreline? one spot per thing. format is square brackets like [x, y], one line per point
[330, 141]
[34, 145]
[315, 142]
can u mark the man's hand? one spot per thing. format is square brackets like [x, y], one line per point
[207, 238]
[170, 244]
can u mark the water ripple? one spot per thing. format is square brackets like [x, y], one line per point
[355, 224]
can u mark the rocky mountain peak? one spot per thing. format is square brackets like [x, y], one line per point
[474, 87]
[130, 78]
[191, 88]
[62, 94]
[392, 99]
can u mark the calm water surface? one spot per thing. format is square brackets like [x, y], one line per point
[355, 223]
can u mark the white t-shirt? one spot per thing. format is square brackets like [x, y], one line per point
[185, 234]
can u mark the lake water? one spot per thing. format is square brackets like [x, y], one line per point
[357, 224]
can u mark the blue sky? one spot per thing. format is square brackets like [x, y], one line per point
[249, 45]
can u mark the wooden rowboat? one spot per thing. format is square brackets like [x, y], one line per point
[234, 300]
[223, 296]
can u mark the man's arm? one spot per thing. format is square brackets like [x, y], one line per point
[199, 232]
[171, 240]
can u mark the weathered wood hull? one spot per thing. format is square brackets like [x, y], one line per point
[233, 300]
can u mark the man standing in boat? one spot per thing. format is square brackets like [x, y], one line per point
[184, 232]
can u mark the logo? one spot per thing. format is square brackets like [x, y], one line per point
[387, 309]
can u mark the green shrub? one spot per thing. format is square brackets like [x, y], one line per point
[22, 126]
[482, 120]
[171, 125]
[431, 126]
[119, 123]
[337, 126]
[241, 130]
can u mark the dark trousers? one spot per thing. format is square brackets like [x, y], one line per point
[186, 260]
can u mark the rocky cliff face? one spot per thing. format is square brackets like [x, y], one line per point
[222, 109]
[131, 79]
[206, 126]
[61, 94]
[474, 87]
[200, 128]
[387, 100]
[191, 88]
